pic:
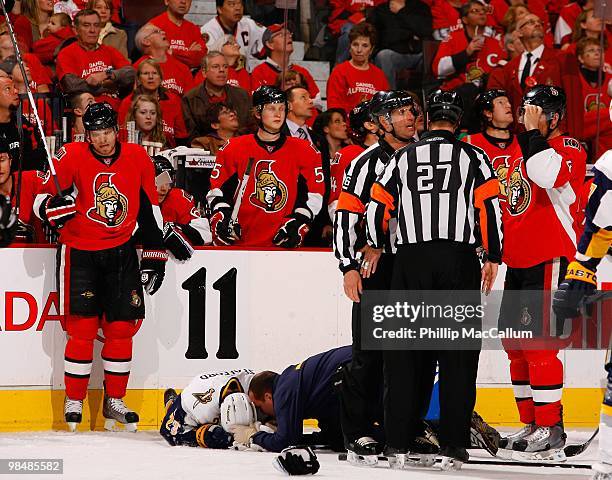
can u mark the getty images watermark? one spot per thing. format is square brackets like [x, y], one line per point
[467, 320]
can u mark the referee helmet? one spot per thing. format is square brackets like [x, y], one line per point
[444, 105]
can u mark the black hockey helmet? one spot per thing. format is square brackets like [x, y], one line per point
[162, 164]
[4, 145]
[384, 102]
[444, 105]
[357, 117]
[551, 98]
[267, 94]
[484, 100]
[99, 116]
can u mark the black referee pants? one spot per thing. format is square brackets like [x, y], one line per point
[362, 379]
[409, 375]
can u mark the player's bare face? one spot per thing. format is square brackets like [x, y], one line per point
[149, 78]
[145, 116]
[336, 128]
[103, 141]
[179, 7]
[85, 100]
[404, 121]
[216, 71]
[162, 191]
[103, 10]
[273, 116]
[231, 12]
[9, 97]
[5, 168]
[502, 112]
[361, 49]
[88, 30]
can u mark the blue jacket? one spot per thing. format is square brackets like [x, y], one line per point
[304, 391]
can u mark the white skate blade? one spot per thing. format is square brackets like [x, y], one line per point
[72, 426]
[449, 464]
[505, 453]
[426, 461]
[109, 424]
[552, 455]
[397, 462]
[361, 460]
[113, 425]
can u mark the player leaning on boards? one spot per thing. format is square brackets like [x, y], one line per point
[284, 190]
[184, 226]
[581, 281]
[435, 251]
[107, 187]
[394, 114]
[542, 211]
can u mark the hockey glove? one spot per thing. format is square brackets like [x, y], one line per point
[297, 461]
[243, 433]
[292, 233]
[579, 282]
[8, 222]
[177, 242]
[152, 269]
[223, 232]
[213, 436]
[57, 210]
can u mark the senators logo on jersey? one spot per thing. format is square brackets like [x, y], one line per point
[270, 192]
[111, 206]
[519, 192]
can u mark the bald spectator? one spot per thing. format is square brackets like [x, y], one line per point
[85, 66]
[230, 20]
[152, 41]
[214, 90]
[186, 42]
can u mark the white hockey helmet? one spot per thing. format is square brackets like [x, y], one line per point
[237, 409]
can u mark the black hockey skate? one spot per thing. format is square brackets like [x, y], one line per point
[425, 451]
[363, 451]
[169, 396]
[73, 413]
[453, 458]
[115, 410]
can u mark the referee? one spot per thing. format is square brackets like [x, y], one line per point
[442, 192]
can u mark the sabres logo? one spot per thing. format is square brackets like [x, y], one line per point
[518, 191]
[203, 398]
[270, 192]
[111, 206]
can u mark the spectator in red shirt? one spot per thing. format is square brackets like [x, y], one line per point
[22, 28]
[152, 42]
[79, 103]
[85, 66]
[38, 12]
[149, 81]
[214, 90]
[278, 42]
[445, 15]
[237, 74]
[186, 42]
[146, 114]
[59, 30]
[357, 79]
[223, 122]
[41, 79]
[567, 19]
[109, 34]
[589, 26]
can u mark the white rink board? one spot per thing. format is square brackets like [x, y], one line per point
[289, 306]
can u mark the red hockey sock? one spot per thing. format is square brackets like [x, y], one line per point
[546, 376]
[117, 355]
[519, 374]
[79, 354]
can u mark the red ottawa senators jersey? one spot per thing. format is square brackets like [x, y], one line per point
[501, 156]
[542, 218]
[108, 197]
[337, 166]
[178, 207]
[272, 189]
[32, 184]
[478, 65]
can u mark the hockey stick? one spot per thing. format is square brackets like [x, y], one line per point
[239, 195]
[30, 97]
[343, 456]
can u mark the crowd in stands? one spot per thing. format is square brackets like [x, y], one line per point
[187, 84]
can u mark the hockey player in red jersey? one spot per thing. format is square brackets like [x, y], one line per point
[28, 227]
[496, 139]
[363, 134]
[276, 207]
[107, 188]
[184, 226]
[542, 196]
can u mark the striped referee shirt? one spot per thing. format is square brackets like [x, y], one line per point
[349, 230]
[437, 188]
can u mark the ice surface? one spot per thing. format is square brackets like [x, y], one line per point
[146, 456]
